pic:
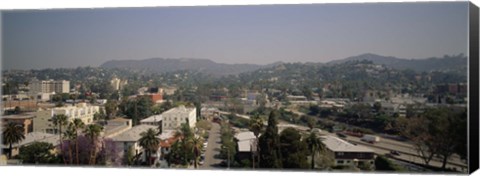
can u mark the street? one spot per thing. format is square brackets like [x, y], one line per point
[213, 148]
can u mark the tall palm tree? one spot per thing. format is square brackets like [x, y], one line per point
[77, 125]
[196, 143]
[256, 126]
[149, 142]
[93, 131]
[12, 133]
[314, 145]
[60, 120]
[70, 135]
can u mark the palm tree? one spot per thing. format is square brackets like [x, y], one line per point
[70, 135]
[60, 120]
[12, 133]
[149, 142]
[314, 145]
[256, 126]
[196, 144]
[93, 131]
[77, 125]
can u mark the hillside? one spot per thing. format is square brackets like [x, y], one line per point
[447, 63]
[161, 65]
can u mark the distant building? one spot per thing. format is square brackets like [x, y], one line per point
[26, 120]
[24, 105]
[154, 93]
[346, 153]
[173, 118]
[43, 121]
[115, 83]
[49, 86]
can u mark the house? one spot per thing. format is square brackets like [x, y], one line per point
[173, 118]
[26, 120]
[44, 118]
[129, 138]
[155, 120]
[167, 139]
[246, 144]
[30, 138]
[116, 126]
[346, 153]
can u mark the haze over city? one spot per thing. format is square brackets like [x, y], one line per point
[232, 34]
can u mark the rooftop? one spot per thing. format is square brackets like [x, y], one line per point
[338, 145]
[247, 135]
[37, 136]
[152, 119]
[133, 134]
[18, 116]
[179, 110]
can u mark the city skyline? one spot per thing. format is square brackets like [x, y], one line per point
[260, 34]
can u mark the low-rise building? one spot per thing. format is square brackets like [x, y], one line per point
[173, 118]
[117, 126]
[25, 120]
[346, 154]
[44, 118]
[30, 138]
[129, 139]
[246, 144]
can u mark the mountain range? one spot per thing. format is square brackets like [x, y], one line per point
[162, 65]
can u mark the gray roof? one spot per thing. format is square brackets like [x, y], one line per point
[166, 134]
[338, 145]
[152, 119]
[133, 134]
[18, 116]
[247, 135]
[37, 136]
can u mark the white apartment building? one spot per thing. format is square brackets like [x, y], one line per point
[44, 122]
[49, 86]
[173, 118]
[115, 83]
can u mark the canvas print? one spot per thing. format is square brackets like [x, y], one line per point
[360, 87]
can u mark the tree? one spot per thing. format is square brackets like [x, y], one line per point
[12, 133]
[293, 149]
[197, 144]
[37, 153]
[92, 132]
[70, 135]
[129, 156]
[60, 120]
[377, 106]
[110, 108]
[269, 142]
[149, 142]
[77, 125]
[311, 122]
[314, 145]
[256, 126]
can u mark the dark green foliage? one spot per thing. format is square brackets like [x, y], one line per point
[269, 143]
[293, 150]
[383, 164]
[38, 153]
[12, 133]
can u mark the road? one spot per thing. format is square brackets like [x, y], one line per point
[407, 150]
[213, 148]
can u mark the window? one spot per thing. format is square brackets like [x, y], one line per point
[348, 161]
[340, 162]
[340, 153]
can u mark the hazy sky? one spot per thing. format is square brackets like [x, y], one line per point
[232, 34]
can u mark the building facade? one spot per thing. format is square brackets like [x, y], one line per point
[173, 118]
[44, 122]
[347, 154]
[49, 86]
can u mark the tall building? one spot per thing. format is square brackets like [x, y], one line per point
[49, 86]
[115, 83]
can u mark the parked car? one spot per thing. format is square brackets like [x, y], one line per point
[394, 152]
